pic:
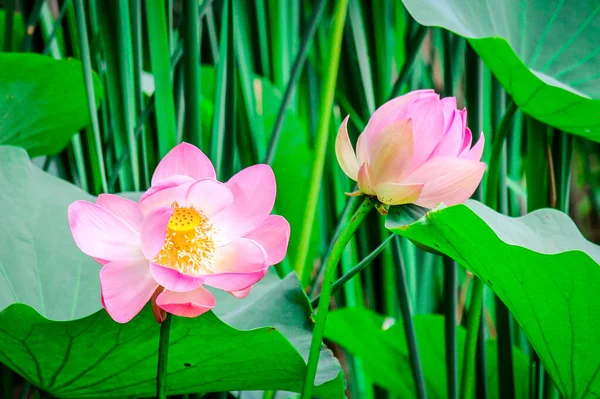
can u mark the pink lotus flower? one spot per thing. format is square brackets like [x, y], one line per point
[415, 149]
[188, 230]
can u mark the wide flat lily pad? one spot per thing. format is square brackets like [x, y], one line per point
[54, 332]
[544, 52]
[541, 267]
[43, 101]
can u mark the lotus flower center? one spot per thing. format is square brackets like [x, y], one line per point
[189, 243]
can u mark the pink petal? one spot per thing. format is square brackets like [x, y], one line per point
[172, 181]
[237, 265]
[254, 191]
[164, 197]
[241, 294]
[273, 234]
[448, 106]
[391, 153]
[186, 304]
[364, 180]
[427, 126]
[361, 149]
[467, 138]
[397, 194]
[125, 209]
[209, 196]
[126, 287]
[395, 110]
[452, 141]
[174, 280]
[475, 153]
[345, 153]
[100, 234]
[154, 230]
[447, 180]
[185, 159]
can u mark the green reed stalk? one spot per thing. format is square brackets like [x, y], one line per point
[9, 9]
[191, 69]
[127, 81]
[467, 383]
[223, 129]
[450, 327]
[407, 321]
[293, 81]
[331, 262]
[322, 136]
[411, 55]
[89, 88]
[160, 56]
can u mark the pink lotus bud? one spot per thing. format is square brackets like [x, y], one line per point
[416, 149]
[188, 230]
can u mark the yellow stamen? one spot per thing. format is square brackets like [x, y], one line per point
[189, 244]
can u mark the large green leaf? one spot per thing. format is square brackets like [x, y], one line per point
[544, 52]
[43, 101]
[381, 344]
[541, 267]
[54, 332]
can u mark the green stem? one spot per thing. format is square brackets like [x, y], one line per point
[491, 195]
[467, 384]
[56, 28]
[127, 82]
[339, 283]
[191, 68]
[566, 153]
[160, 53]
[86, 62]
[138, 64]
[163, 355]
[292, 83]
[322, 136]
[9, 7]
[407, 321]
[330, 266]
[450, 310]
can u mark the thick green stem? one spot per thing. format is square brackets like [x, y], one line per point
[467, 384]
[330, 266]
[322, 138]
[339, 283]
[450, 310]
[163, 355]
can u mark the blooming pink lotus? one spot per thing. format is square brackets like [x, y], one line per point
[188, 230]
[415, 149]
